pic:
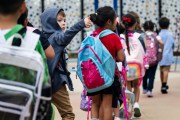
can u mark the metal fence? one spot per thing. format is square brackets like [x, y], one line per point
[77, 9]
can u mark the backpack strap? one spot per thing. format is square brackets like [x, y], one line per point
[105, 33]
[14, 30]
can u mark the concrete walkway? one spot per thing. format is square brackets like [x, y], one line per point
[159, 107]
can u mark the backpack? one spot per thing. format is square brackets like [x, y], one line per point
[152, 49]
[95, 65]
[130, 100]
[24, 95]
[136, 58]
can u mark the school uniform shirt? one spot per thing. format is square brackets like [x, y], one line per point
[112, 43]
[168, 41]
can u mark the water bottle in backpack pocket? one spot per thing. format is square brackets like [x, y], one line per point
[95, 66]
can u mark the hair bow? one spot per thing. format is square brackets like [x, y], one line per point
[126, 19]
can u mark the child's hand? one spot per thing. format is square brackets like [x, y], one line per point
[88, 22]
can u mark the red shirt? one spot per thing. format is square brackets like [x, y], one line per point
[111, 42]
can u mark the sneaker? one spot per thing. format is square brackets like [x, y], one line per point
[164, 90]
[117, 118]
[149, 94]
[144, 91]
[167, 87]
[137, 112]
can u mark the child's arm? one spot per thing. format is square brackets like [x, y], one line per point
[66, 37]
[160, 43]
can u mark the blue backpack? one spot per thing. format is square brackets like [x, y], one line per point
[95, 65]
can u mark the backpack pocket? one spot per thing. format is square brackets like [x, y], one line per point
[91, 74]
[15, 102]
[134, 70]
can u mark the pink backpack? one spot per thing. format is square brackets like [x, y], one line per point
[152, 48]
[136, 58]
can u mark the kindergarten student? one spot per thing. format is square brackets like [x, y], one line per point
[23, 20]
[10, 11]
[167, 58]
[105, 18]
[60, 76]
[154, 46]
[134, 52]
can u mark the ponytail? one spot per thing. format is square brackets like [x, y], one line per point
[128, 21]
[102, 15]
[127, 37]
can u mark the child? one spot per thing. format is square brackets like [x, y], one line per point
[105, 18]
[59, 39]
[23, 20]
[9, 14]
[129, 22]
[167, 58]
[154, 43]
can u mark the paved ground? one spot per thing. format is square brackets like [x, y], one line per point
[160, 107]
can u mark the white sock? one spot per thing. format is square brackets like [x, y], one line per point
[116, 118]
[136, 105]
[94, 118]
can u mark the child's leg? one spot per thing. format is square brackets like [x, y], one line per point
[96, 102]
[116, 105]
[129, 85]
[161, 76]
[116, 112]
[145, 79]
[136, 90]
[137, 112]
[165, 70]
[107, 107]
[151, 77]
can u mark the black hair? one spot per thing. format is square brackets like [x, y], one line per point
[128, 21]
[120, 29]
[149, 25]
[102, 15]
[10, 6]
[23, 17]
[164, 23]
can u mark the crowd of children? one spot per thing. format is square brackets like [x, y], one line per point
[130, 44]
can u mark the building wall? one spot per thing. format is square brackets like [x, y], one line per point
[147, 9]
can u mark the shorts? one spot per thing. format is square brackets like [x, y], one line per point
[114, 89]
[165, 68]
[108, 90]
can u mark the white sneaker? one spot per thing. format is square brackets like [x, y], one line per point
[137, 112]
[94, 119]
[117, 118]
[149, 94]
[144, 91]
[136, 105]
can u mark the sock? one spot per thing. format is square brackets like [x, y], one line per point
[164, 84]
[136, 105]
[116, 118]
[94, 118]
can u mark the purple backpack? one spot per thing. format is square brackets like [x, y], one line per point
[86, 101]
